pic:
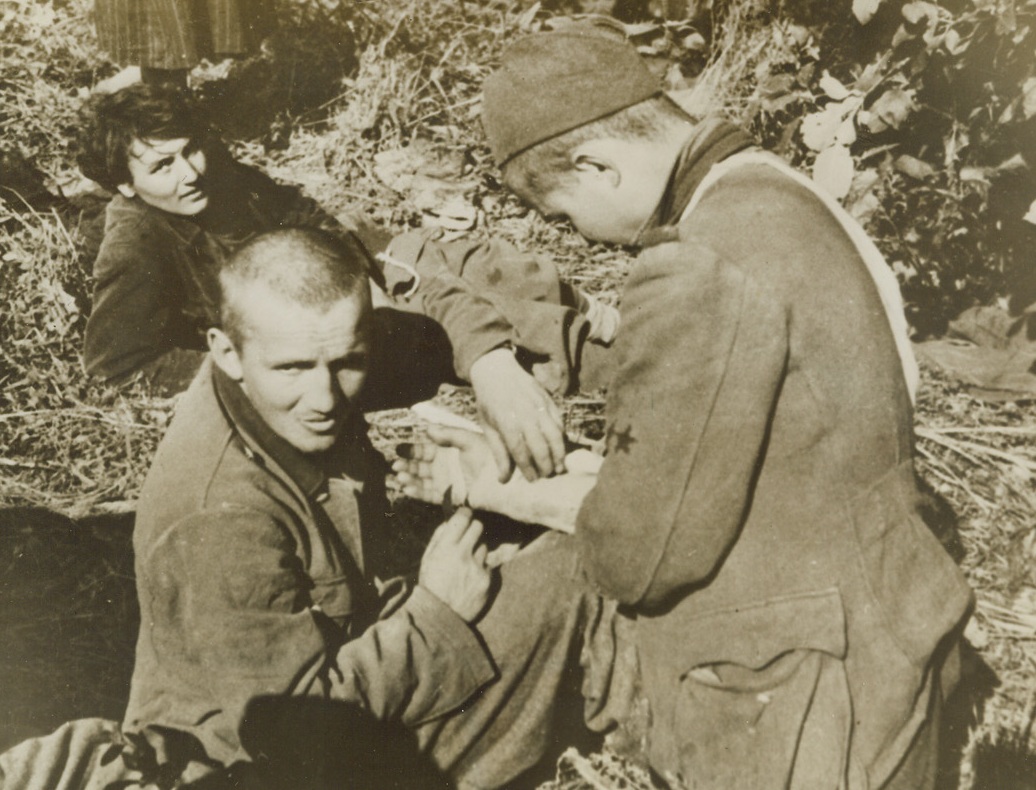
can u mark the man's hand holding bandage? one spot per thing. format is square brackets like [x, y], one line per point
[463, 461]
[523, 425]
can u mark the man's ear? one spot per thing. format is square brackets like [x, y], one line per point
[224, 354]
[594, 159]
[127, 191]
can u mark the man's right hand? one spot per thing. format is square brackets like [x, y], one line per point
[522, 423]
[454, 566]
[460, 461]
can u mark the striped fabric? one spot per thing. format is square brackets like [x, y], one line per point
[176, 34]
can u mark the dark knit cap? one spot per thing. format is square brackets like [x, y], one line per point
[550, 83]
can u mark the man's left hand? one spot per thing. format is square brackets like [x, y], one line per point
[451, 459]
[459, 461]
[522, 423]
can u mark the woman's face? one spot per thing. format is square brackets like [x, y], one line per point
[169, 175]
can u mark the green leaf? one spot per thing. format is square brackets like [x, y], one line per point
[1029, 98]
[954, 44]
[863, 201]
[864, 10]
[914, 167]
[776, 85]
[779, 103]
[833, 88]
[527, 17]
[870, 78]
[819, 128]
[641, 29]
[978, 175]
[833, 170]
[901, 36]
[846, 134]
[920, 14]
[890, 110]
[1030, 215]
[694, 42]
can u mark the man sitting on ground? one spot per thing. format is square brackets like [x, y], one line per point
[797, 624]
[259, 562]
[182, 205]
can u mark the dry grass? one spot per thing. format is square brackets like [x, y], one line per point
[72, 447]
[58, 431]
[982, 458]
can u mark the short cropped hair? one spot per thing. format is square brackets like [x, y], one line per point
[307, 266]
[539, 170]
[110, 122]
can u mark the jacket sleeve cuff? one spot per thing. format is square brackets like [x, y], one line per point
[467, 664]
[477, 345]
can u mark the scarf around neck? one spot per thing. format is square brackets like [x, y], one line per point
[712, 141]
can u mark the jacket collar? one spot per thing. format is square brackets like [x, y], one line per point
[185, 229]
[711, 142]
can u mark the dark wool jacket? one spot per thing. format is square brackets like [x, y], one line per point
[757, 505]
[156, 289]
[253, 579]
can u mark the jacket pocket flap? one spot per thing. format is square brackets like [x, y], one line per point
[756, 634]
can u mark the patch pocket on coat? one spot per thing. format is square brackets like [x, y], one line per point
[786, 725]
[775, 711]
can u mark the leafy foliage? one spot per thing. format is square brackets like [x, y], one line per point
[919, 116]
[926, 123]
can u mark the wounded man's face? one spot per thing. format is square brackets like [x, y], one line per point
[302, 367]
[169, 175]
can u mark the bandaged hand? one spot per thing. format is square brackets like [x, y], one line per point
[454, 460]
[462, 462]
[522, 424]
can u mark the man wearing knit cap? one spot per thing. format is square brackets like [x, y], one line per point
[796, 623]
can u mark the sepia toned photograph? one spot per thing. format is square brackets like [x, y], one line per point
[518, 395]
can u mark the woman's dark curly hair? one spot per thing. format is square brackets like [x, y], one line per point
[111, 122]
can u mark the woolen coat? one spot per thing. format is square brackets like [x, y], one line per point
[758, 506]
[250, 566]
[262, 586]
